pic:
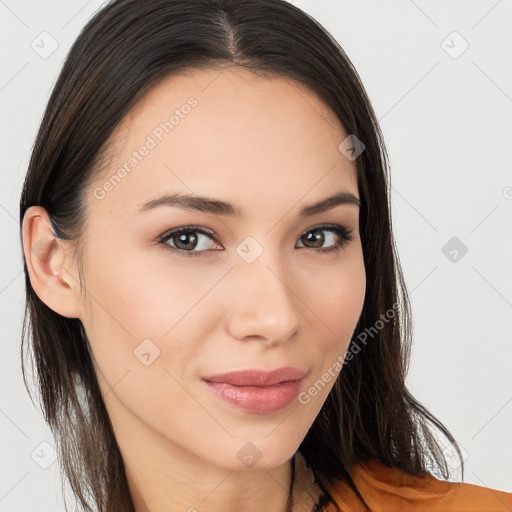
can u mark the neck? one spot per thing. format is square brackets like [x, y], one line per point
[163, 476]
[211, 490]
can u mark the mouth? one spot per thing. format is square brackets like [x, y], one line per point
[257, 391]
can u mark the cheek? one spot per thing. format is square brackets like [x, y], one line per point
[342, 303]
[143, 325]
[336, 295]
[135, 310]
[143, 298]
[337, 306]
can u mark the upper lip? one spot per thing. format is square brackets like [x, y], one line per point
[258, 377]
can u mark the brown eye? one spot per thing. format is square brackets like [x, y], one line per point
[188, 241]
[315, 239]
[192, 241]
[185, 241]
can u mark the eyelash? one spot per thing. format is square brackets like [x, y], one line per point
[344, 234]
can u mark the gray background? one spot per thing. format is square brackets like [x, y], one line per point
[445, 115]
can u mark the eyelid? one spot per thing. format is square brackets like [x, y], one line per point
[186, 229]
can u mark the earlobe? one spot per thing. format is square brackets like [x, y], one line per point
[45, 257]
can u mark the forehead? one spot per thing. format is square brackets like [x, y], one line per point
[225, 132]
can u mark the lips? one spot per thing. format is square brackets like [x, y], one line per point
[257, 391]
[257, 377]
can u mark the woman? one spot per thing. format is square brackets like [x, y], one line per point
[215, 307]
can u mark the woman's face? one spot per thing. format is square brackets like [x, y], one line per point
[249, 286]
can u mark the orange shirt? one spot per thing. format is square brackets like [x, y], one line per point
[391, 490]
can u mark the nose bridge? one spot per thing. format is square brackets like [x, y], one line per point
[264, 305]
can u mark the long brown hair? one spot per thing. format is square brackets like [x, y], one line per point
[124, 50]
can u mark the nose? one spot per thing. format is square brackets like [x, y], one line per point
[264, 306]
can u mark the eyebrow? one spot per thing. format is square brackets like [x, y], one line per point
[218, 207]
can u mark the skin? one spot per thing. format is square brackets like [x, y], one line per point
[269, 146]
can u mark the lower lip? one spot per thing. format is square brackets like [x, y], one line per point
[259, 400]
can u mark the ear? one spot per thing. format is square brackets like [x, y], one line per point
[52, 275]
